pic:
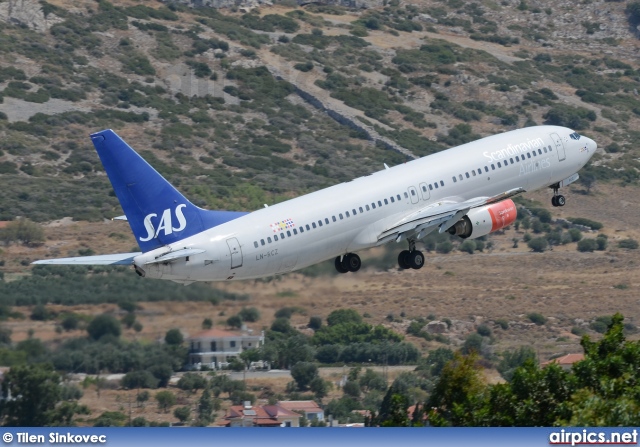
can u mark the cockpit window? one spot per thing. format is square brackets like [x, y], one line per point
[575, 136]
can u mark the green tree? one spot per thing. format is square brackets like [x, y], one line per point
[182, 414]
[341, 316]
[458, 386]
[250, 314]
[207, 323]
[234, 321]
[166, 400]
[35, 391]
[397, 415]
[303, 373]
[174, 337]
[102, 325]
[319, 387]
[205, 408]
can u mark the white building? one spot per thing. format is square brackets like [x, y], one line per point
[215, 348]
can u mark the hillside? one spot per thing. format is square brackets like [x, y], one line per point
[195, 91]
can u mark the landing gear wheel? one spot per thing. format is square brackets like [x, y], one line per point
[352, 262]
[403, 259]
[339, 267]
[416, 260]
[554, 202]
[560, 200]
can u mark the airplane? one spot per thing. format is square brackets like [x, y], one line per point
[465, 191]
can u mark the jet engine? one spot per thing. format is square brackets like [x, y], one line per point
[484, 220]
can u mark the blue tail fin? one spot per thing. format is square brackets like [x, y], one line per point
[157, 212]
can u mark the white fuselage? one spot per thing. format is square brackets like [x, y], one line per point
[246, 247]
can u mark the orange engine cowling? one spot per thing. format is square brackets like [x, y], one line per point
[484, 220]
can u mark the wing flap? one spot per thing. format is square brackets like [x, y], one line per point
[114, 259]
[445, 213]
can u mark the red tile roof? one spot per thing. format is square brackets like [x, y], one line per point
[264, 415]
[300, 405]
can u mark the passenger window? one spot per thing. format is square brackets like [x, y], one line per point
[307, 227]
[275, 237]
[430, 187]
[334, 218]
[436, 185]
[424, 188]
[373, 205]
[493, 167]
[505, 162]
[262, 241]
[288, 233]
[354, 211]
[398, 197]
[533, 153]
[540, 151]
[460, 177]
[361, 210]
[386, 202]
[517, 158]
[545, 149]
[282, 235]
[301, 229]
[486, 169]
[511, 160]
[255, 244]
[441, 183]
[499, 165]
[406, 196]
[550, 149]
[320, 223]
[393, 200]
[367, 207]
[528, 155]
[326, 220]
[467, 174]
[379, 203]
[346, 213]
[474, 173]
[269, 239]
[313, 224]
[454, 179]
[295, 232]
[340, 215]
[413, 192]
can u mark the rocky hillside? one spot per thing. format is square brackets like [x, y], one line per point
[258, 103]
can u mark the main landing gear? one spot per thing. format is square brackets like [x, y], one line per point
[557, 199]
[412, 258]
[348, 263]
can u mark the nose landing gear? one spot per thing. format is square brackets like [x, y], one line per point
[557, 199]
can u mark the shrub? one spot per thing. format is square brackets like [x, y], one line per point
[538, 244]
[104, 325]
[250, 314]
[173, 337]
[587, 245]
[630, 244]
[484, 330]
[537, 318]
[468, 246]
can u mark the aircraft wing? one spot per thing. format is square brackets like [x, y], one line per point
[443, 214]
[115, 259]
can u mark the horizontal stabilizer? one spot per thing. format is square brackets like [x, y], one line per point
[172, 255]
[115, 259]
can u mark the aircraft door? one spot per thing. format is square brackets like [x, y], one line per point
[413, 194]
[236, 252]
[424, 189]
[559, 146]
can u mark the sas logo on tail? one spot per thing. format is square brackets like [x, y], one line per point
[165, 224]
